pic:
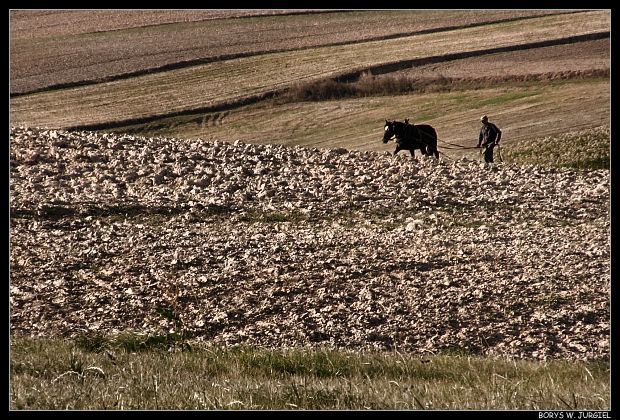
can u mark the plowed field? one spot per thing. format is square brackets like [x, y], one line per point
[226, 82]
[282, 247]
[61, 47]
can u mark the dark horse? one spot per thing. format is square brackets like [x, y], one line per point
[410, 137]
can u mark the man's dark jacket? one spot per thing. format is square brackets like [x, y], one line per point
[489, 133]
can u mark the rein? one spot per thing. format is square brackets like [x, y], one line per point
[457, 146]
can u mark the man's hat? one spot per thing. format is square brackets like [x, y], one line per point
[484, 118]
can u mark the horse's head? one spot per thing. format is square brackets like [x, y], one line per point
[388, 131]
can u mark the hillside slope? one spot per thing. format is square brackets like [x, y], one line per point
[524, 112]
[228, 83]
[275, 246]
[51, 48]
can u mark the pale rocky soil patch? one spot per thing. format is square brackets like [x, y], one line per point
[274, 246]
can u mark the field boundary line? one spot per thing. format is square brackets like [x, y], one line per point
[227, 57]
[343, 77]
[421, 61]
[238, 17]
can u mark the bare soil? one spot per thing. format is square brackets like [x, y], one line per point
[551, 62]
[28, 24]
[56, 47]
[286, 247]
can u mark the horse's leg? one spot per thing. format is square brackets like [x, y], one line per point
[398, 149]
[432, 150]
[412, 153]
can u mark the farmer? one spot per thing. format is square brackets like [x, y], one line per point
[489, 137]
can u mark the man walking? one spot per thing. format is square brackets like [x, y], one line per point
[489, 137]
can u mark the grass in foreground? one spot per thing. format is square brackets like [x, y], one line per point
[130, 372]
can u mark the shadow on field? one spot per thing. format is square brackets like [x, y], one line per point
[125, 211]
